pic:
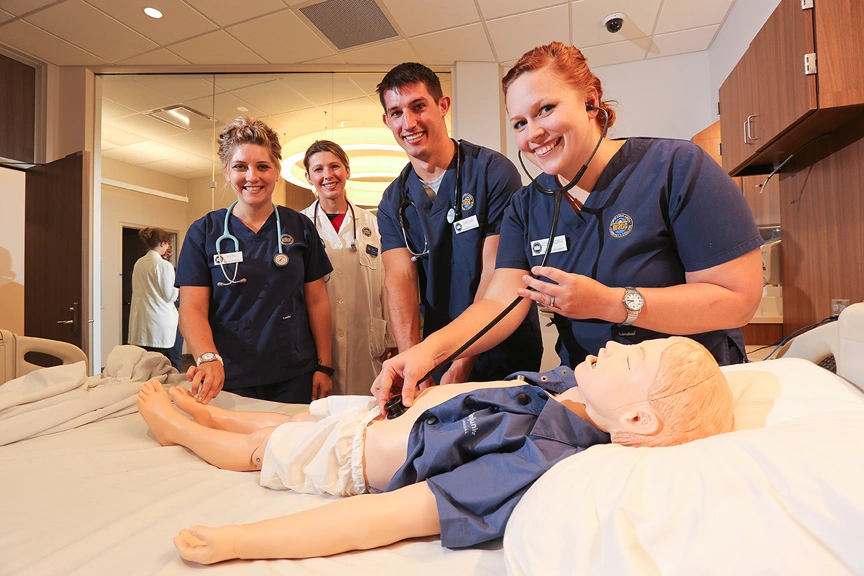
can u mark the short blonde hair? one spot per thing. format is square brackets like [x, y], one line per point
[690, 395]
[245, 130]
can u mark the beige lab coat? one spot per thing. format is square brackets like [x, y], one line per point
[358, 300]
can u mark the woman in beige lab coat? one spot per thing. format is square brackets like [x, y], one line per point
[358, 301]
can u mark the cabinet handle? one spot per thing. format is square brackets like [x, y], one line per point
[748, 125]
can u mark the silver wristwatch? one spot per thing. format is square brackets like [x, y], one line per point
[208, 357]
[633, 302]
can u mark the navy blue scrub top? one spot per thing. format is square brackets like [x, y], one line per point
[661, 208]
[260, 327]
[450, 274]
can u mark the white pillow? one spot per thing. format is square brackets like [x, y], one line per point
[780, 495]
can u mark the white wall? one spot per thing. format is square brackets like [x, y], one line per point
[12, 250]
[478, 109]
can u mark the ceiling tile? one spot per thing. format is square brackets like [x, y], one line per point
[683, 14]
[356, 113]
[20, 7]
[118, 136]
[322, 89]
[178, 21]
[179, 89]
[160, 57]
[132, 94]
[587, 20]
[512, 36]
[132, 154]
[692, 40]
[415, 17]
[335, 59]
[5, 16]
[226, 108]
[47, 47]
[617, 53]
[111, 110]
[273, 98]
[216, 48]
[227, 12]
[387, 54]
[166, 167]
[78, 23]
[192, 143]
[146, 126]
[281, 38]
[498, 8]
[467, 43]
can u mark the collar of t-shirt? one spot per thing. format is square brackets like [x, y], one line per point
[432, 186]
[336, 220]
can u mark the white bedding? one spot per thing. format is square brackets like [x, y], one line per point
[105, 498]
[780, 495]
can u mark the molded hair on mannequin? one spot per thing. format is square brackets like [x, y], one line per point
[690, 396]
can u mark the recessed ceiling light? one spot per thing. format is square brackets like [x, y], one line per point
[152, 12]
[242, 109]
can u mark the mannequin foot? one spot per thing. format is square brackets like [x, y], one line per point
[155, 407]
[184, 400]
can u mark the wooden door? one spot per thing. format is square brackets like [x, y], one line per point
[56, 251]
[783, 93]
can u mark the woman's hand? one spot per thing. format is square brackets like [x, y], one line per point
[207, 380]
[207, 545]
[322, 385]
[573, 295]
[400, 375]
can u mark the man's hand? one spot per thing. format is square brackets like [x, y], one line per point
[322, 385]
[207, 380]
[401, 375]
[459, 371]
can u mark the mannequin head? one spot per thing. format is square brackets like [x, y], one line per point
[656, 393]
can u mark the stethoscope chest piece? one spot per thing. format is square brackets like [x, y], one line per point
[281, 260]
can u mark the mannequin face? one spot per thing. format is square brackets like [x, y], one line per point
[618, 380]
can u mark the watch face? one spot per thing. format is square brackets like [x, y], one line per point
[633, 300]
[207, 357]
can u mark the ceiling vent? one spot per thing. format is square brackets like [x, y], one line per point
[349, 23]
[182, 117]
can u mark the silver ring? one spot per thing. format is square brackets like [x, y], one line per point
[551, 302]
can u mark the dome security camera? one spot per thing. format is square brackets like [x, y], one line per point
[614, 22]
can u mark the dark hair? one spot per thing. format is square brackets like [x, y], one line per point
[153, 237]
[409, 73]
[325, 146]
[245, 130]
[571, 66]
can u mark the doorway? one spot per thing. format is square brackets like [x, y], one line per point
[133, 249]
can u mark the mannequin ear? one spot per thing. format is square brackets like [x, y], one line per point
[642, 420]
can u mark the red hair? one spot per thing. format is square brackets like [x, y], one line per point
[571, 66]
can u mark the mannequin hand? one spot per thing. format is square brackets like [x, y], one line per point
[207, 380]
[207, 545]
[576, 296]
[322, 385]
[400, 375]
[459, 371]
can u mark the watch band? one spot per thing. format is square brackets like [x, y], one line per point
[325, 369]
[208, 357]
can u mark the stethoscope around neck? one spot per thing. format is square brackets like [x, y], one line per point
[280, 259]
[353, 244]
[557, 194]
[454, 214]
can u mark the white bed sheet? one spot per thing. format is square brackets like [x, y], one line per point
[105, 498]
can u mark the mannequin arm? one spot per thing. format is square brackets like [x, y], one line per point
[344, 525]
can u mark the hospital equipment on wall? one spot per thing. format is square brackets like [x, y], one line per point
[558, 194]
[280, 259]
[353, 244]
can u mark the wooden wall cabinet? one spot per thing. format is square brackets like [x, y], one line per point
[770, 105]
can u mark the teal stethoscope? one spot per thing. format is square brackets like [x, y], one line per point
[280, 259]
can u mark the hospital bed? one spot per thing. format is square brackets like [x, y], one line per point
[780, 495]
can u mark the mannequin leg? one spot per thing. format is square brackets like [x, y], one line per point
[223, 449]
[222, 419]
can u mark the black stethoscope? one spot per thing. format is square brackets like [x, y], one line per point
[280, 258]
[353, 244]
[454, 214]
[558, 195]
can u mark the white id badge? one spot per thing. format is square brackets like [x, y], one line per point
[466, 224]
[227, 258]
[538, 247]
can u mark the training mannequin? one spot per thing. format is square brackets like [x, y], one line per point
[658, 392]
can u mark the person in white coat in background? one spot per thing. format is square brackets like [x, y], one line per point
[358, 300]
[153, 314]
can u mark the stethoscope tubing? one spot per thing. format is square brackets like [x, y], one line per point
[558, 195]
[226, 235]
